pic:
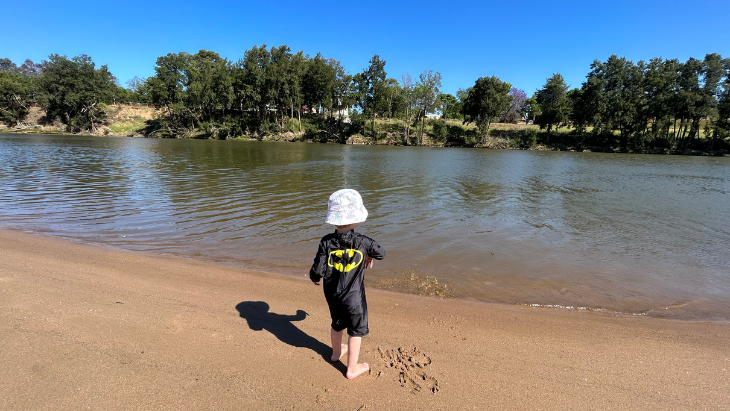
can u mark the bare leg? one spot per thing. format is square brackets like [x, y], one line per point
[338, 348]
[353, 368]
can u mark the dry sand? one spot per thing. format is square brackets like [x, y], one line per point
[91, 327]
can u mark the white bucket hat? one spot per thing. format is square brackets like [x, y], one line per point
[345, 207]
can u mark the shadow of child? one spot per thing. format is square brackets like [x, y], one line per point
[259, 318]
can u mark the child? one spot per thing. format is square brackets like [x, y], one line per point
[341, 259]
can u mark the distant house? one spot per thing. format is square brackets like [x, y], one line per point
[433, 116]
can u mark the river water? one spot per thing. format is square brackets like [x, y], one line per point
[623, 234]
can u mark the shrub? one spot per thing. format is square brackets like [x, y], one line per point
[292, 125]
[439, 131]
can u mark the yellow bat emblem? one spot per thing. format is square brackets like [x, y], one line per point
[350, 253]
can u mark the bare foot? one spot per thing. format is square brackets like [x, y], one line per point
[343, 350]
[359, 369]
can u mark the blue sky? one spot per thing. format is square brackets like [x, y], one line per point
[521, 42]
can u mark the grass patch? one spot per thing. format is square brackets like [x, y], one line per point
[134, 125]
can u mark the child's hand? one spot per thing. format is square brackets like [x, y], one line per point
[368, 262]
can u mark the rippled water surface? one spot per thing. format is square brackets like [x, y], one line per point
[633, 234]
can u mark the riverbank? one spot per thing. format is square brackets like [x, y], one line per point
[98, 327]
[123, 120]
[135, 121]
[494, 143]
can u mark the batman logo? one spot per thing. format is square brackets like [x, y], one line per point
[347, 256]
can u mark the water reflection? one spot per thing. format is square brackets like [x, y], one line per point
[630, 233]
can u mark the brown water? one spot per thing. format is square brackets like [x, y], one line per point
[633, 234]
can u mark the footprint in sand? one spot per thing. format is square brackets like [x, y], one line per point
[411, 365]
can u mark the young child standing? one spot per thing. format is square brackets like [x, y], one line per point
[341, 260]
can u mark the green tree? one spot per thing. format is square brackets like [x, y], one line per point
[393, 97]
[280, 80]
[591, 102]
[168, 89]
[426, 93]
[208, 84]
[75, 90]
[295, 77]
[16, 93]
[554, 103]
[613, 98]
[250, 84]
[721, 127]
[7, 65]
[342, 92]
[623, 91]
[369, 87]
[461, 95]
[318, 82]
[688, 100]
[121, 95]
[531, 109]
[711, 72]
[661, 80]
[194, 89]
[450, 106]
[170, 79]
[484, 101]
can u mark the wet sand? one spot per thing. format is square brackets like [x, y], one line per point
[91, 327]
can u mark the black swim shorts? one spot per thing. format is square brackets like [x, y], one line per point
[356, 324]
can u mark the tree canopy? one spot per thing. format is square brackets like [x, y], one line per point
[487, 99]
[369, 89]
[554, 103]
[660, 103]
[75, 90]
[16, 92]
[425, 95]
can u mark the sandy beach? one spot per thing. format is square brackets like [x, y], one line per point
[92, 327]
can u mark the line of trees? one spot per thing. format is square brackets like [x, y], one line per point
[268, 91]
[659, 104]
[73, 91]
[662, 103]
[261, 93]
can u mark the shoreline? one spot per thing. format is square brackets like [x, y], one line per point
[407, 286]
[103, 327]
[500, 144]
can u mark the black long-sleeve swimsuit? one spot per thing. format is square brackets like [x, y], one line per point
[340, 261]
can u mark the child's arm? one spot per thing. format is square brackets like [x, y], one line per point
[374, 252]
[318, 267]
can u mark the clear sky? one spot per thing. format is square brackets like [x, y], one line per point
[521, 42]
